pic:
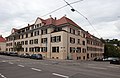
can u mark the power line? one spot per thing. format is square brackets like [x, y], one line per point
[55, 10]
[60, 8]
[73, 10]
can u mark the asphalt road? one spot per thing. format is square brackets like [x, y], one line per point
[15, 67]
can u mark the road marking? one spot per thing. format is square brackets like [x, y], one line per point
[36, 69]
[10, 63]
[21, 65]
[98, 68]
[113, 66]
[117, 65]
[91, 64]
[3, 61]
[60, 75]
[2, 76]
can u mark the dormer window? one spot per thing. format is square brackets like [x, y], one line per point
[32, 27]
[37, 25]
[78, 32]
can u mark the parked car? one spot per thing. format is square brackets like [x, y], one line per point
[117, 61]
[98, 59]
[110, 59]
[36, 56]
[3, 53]
[13, 54]
[24, 55]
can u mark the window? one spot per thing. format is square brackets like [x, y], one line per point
[26, 35]
[84, 57]
[22, 42]
[72, 40]
[27, 28]
[84, 50]
[38, 32]
[32, 49]
[72, 49]
[83, 35]
[78, 41]
[37, 25]
[19, 37]
[22, 49]
[43, 49]
[22, 36]
[37, 49]
[26, 49]
[55, 49]
[31, 42]
[41, 31]
[70, 30]
[56, 39]
[35, 41]
[53, 39]
[44, 40]
[32, 27]
[78, 50]
[26, 42]
[78, 32]
[35, 33]
[32, 34]
[83, 42]
[44, 31]
[73, 31]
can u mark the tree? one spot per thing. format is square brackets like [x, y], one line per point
[111, 50]
[18, 47]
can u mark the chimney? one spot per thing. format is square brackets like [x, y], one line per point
[55, 18]
[50, 16]
[28, 24]
[65, 15]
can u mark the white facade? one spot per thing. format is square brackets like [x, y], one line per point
[64, 41]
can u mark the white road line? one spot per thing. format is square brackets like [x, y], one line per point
[3, 61]
[91, 64]
[117, 65]
[60, 75]
[98, 68]
[112, 66]
[2, 76]
[36, 69]
[21, 65]
[10, 63]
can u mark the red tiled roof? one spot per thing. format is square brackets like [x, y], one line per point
[2, 39]
[64, 20]
[55, 22]
[50, 21]
[60, 21]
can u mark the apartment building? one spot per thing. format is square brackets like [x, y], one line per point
[95, 48]
[2, 44]
[54, 39]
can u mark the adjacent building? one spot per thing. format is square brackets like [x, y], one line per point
[56, 39]
[2, 44]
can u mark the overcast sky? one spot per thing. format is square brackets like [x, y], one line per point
[104, 15]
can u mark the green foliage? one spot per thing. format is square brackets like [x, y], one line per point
[18, 47]
[112, 48]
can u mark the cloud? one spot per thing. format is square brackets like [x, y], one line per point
[103, 14]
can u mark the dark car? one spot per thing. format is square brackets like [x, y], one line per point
[36, 56]
[117, 61]
[25, 55]
[98, 59]
[13, 54]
